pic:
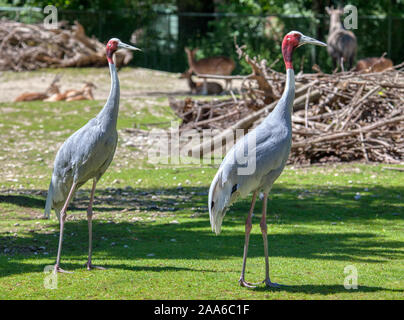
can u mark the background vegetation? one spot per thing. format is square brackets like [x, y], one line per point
[165, 27]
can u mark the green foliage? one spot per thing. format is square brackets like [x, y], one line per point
[263, 35]
[365, 7]
[92, 4]
[164, 36]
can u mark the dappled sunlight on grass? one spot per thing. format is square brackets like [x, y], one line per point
[155, 231]
[151, 225]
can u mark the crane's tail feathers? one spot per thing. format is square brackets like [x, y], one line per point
[49, 201]
[219, 201]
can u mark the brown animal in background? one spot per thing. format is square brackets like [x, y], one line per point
[55, 97]
[85, 93]
[341, 43]
[198, 87]
[33, 96]
[373, 64]
[219, 65]
[72, 95]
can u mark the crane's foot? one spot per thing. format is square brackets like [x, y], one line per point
[58, 269]
[270, 284]
[90, 266]
[246, 284]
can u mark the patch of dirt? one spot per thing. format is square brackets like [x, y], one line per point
[133, 81]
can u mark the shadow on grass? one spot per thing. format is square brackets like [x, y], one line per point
[323, 289]
[27, 267]
[193, 238]
[22, 200]
[286, 204]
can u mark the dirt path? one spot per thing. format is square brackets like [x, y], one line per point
[134, 82]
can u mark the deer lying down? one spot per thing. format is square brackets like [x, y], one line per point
[33, 96]
[198, 87]
[212, 65]
[373, 64]
[84, 93]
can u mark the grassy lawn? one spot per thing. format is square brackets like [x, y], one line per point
[152, 231]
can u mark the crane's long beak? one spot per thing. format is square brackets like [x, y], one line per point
[126, 46]
[304, 39]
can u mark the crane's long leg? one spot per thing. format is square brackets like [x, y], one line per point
[62, 218]
[248, 227]
[264, 228]
[90, 229]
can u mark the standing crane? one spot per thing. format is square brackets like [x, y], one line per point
[86, 155]
[269, 145]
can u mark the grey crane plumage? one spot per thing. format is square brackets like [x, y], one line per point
[86, 155]
[265, 150]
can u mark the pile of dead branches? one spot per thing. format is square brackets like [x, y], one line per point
[347, 116]
[357, 117]
[31, 46]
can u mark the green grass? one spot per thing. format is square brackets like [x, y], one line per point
[155, 238]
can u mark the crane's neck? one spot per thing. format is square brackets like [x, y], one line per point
[284, 109]
[109, 114]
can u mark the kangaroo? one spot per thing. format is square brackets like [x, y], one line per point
[198, 87]
[341, 43]
[219, 65]
[373, 64]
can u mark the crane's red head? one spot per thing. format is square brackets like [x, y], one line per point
[289, 44]
[113, 45]
[293, 40]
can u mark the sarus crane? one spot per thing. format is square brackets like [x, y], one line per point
[268, 147]
[86, 155]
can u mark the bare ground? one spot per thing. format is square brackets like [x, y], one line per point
[142, 82]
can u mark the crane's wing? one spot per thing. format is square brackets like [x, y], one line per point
[219, 200]
[86, 154]
[232, 179]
